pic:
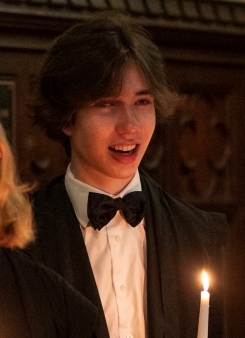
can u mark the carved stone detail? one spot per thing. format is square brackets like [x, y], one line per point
[204, 148]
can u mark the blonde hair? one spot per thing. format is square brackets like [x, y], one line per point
[16, 222]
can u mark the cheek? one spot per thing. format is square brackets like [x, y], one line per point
[149, 130]
[150, 124]
[88, 132]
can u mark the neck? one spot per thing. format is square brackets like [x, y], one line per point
[109, 185]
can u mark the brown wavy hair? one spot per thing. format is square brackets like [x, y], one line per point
[86, 63]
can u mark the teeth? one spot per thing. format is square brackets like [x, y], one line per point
[125, 148]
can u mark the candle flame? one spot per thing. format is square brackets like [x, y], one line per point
[205, 281]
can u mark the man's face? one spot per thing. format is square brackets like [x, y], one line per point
[110, 136]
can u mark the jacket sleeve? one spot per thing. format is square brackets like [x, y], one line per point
[53, 307]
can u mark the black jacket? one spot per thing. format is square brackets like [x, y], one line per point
[181, 241]
[35, 302]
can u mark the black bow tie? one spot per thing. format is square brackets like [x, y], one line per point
[102, 208]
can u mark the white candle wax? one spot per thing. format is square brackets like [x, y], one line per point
[204, 309]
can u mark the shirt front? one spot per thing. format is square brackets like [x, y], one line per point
[117, 255]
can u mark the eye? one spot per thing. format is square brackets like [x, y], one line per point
[103, 104]
[144, 102]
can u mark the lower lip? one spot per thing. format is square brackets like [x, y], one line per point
[125, 158]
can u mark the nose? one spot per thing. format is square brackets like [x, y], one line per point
[128, 120]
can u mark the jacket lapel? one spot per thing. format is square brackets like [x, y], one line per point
[68, 256]
[162, 285]
[85, 281]
[155, 321]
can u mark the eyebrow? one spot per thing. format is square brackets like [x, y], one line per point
[144, 92]
[141, 92]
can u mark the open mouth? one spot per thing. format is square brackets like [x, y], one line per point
[125, 149]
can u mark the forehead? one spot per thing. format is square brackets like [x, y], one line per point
[133, 76]
[132, 81]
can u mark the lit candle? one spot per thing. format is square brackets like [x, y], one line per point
[204, 308]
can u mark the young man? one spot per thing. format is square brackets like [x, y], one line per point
[139, 258]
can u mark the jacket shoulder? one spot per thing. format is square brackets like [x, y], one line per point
[185, 216]
[50, 189]
[52, 196]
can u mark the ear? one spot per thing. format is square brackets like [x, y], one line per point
[67, 130]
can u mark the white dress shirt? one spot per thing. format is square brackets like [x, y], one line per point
[117, 255]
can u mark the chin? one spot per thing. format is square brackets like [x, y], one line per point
[126, 174]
